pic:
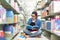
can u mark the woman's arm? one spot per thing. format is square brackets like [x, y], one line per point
[38, 24]
[29, 21]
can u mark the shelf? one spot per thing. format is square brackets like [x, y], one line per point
[46, 5]
[7, 6]
[50, 32]
[51, 16]
[54, 14]
[15, 35]
[9, 22]
[56, 34]
[9, 35]
[17, 2]
[46, 30]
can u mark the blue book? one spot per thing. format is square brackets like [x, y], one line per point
[9, 13]
[22, 36]
[8, 28]
[29, 27]
[57, 24]
[1, 38]
[48, 25]
[37, 27]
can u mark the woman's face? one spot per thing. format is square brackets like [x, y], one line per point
[33, 16]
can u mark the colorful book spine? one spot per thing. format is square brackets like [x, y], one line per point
[55, 22]
[57, 25]
[52, 24]
[9, 16]
[15, 18]
[12, 3]
[1, 35]
[48, 25]
[2, 14]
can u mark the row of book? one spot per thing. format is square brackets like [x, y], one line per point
[7, 15]
[7, 30]
[53, 25]
[51, 9]
[14, 4]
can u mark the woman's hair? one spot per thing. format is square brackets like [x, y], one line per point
[34, 12]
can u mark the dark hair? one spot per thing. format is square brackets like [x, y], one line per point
[34, 12]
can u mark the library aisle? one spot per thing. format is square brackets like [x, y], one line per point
[29, 20]
[42, 38]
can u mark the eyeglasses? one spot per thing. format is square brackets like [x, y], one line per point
[33, 16]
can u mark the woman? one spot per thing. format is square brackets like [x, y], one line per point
[34, 25]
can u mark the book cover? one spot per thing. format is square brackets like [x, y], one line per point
[48, 25]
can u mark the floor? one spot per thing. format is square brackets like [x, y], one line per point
[42, 38]
[18, 38]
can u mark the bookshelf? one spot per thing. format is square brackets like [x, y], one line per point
[48, 33]
[8, 6]
[46, 5]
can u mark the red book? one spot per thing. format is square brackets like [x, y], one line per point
[1, 33]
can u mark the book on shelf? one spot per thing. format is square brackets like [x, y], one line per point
[1, 33]
[2, 14]
[12, 3]
[43, 14]
[54, 7]
[48, 25]
[55, 25]
[9, 16]
[42, 23]
[15, 18]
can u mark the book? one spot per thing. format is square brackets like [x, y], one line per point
[9, 16]
[43, 14]
[55, 28]
[54, 7]
[2, 14]
[12, 3]
[15, 18]
[52, 24]
[8, 29]
[48, 25]
[1, 33]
